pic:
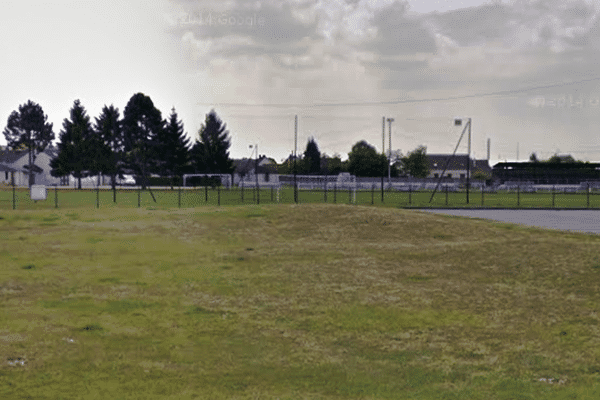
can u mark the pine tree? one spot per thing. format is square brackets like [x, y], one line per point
[109, 129]
[142, 122]
[209, 153]
[74, 149]
[174, 148]
[29, 129]
[312, 157]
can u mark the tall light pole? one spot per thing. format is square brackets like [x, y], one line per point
[256, 175]
[458, 122]
[382, 152]
[390, 120]
[295, 147]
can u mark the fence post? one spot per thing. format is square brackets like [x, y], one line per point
[206, 194]
[257, 194]
[335, 193]
[242, 192]
[278, 187]
[349, 196]
[272, 193]
[372, 194]
[552, 196]
[481, 195]
[447, 196]
[518, 195]
[219, 194]
[325, 192]
[55, 197]
[97, 196]
[139, 196]
[13, 185]
[588, 195]
[409, 194]
[179, 197]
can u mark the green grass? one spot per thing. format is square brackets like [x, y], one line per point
[88, 198]
[293, 301]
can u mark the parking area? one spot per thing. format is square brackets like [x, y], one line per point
[587, 221]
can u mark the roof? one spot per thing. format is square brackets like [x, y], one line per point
[458, 162]
[8, 156]
[438, 161]
[4, 167]
[265, 165]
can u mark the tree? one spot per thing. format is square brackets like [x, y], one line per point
[533, 158]
[174, 148]
[364, 160]
[415, 163]
[29, 129]
[109, 129]
[312, 157]
[142, 122]
[209, 153]
[78, 151]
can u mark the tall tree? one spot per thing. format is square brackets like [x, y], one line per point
[209, 153]
[415, 163]
[174, 148]
[28, 128]
[109, 129]
[74, 150]
[364, 160]
[142, 122]
[312, 157]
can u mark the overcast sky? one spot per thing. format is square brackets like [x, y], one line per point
[526, 72]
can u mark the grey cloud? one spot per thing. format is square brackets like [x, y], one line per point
[398, 34]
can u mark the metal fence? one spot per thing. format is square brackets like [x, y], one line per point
[406, 196]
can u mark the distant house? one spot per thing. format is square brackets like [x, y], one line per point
[457, 166]
[245, 172]
[16, 163]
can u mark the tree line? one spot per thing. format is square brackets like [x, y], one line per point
[141, 142]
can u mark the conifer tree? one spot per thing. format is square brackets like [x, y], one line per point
[74, 148]
[209, 153]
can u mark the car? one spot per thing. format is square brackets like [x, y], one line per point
[127, 180]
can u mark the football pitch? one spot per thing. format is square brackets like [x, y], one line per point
[195, 197]
[288, 301]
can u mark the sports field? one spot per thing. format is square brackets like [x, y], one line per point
[189, 197]
[309, 301]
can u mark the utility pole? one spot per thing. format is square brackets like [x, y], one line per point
[382, 152]
[295, 146]
[390, 120]
[469, 163]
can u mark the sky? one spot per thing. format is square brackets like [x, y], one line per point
[525, 72]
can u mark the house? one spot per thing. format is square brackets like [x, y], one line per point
[246, 171]
[456, 167]
[16, 163]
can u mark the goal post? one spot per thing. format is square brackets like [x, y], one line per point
[225, 179]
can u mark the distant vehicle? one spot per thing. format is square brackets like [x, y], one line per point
[127, 180]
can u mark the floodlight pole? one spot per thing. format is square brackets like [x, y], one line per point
[382, 152]
[295, 147]
[469, 163]
[390, 120]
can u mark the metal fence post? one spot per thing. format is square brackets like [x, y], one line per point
[447, 196]
[219, 194]
[588, 195]
[325, 191]
[97, 197]
[55, 197]
[206, 194]
[481, 195]
[349, 196]
[139, 196]
[552, 196]
[179, 196]
[14, 196]
[518, 195]
[257, 194]
[335, 193]
[272, 193]
[372, 194]
[409, 194]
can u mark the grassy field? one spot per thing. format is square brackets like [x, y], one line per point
[88, 198]
[310, 301]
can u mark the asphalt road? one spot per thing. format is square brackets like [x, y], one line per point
[587, 221]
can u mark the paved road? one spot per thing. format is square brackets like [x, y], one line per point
[569, 220]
